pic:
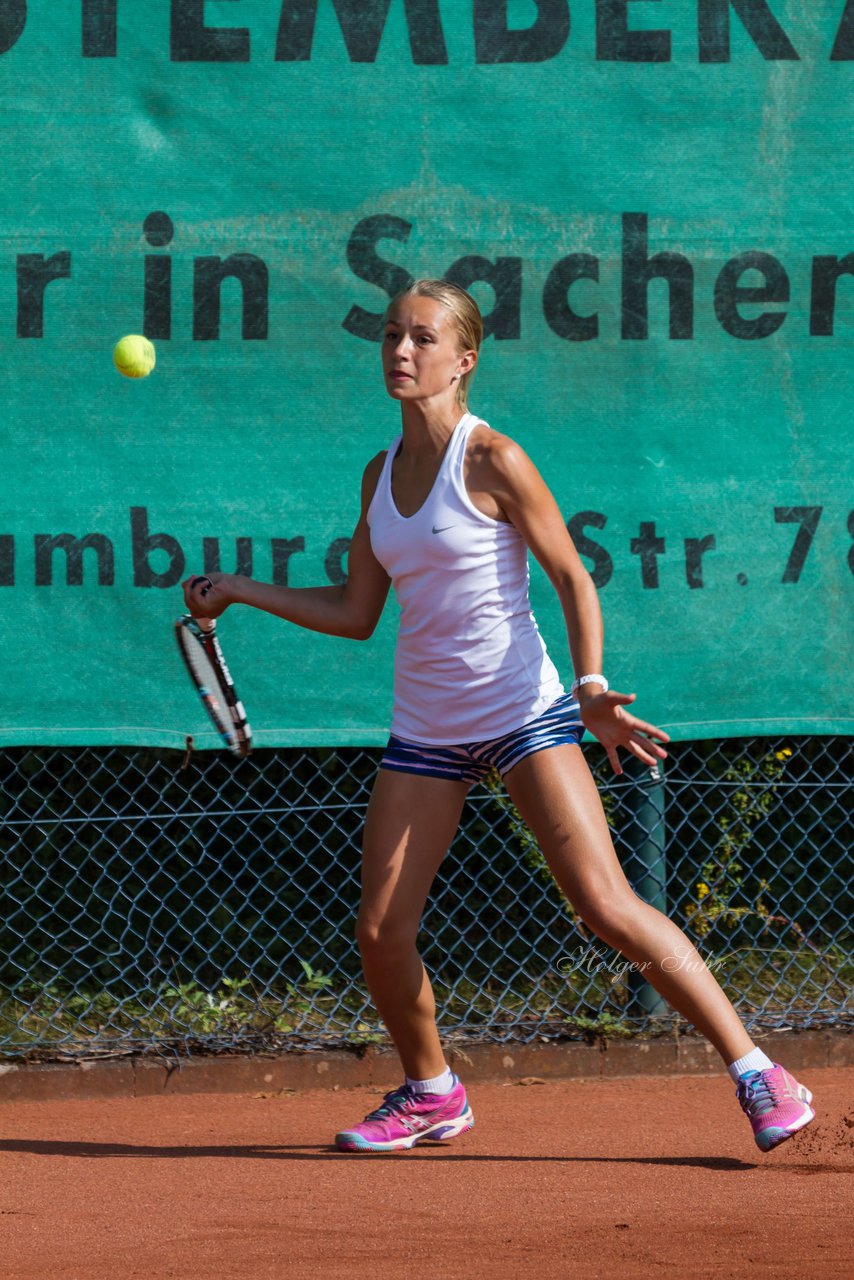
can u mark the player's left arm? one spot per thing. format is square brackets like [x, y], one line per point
[523, 498]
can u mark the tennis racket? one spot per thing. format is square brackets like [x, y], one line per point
[203, 657]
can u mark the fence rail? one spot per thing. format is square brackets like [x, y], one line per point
[150, 901]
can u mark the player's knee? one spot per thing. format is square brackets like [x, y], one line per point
[612, 919]
[380, 936]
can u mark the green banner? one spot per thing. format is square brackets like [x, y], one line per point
[652, 203]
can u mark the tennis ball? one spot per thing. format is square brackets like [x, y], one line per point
[134, 356]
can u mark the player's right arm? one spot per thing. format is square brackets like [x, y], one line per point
[351, 610]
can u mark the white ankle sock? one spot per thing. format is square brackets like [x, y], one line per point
[756, 1060]
[439, 1084]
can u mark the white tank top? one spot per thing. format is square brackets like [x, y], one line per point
[470, 663]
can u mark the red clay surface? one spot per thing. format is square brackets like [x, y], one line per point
[589, 1178]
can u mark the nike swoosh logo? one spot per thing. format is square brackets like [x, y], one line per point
[442, 528]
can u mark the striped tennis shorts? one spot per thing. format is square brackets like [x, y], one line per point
[472, 761]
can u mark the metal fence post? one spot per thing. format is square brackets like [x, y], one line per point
[647, 839]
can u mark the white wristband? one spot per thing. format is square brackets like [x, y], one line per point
[576, 684]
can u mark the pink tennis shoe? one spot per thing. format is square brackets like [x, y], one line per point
[775, 1104]
[405, 1118]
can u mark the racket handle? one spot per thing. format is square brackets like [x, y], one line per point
[205, 624]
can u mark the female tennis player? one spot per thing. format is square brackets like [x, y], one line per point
[449, 514]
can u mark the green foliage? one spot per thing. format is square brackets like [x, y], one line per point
[233, 1009]
[720, 891]
[207, 1011]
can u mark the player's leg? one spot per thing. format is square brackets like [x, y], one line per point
[556, 795]
[410, 824]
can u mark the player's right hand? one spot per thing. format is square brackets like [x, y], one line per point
[206, 595]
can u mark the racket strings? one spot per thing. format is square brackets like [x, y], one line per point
[206, 665]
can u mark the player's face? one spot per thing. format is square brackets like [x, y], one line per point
[421, 351]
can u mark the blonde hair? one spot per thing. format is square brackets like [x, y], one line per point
[465, 314]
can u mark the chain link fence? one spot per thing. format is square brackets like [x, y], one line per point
[152, 900]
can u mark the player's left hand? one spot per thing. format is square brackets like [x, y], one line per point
[605, 715]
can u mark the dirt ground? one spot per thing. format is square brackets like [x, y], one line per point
[590, 1178]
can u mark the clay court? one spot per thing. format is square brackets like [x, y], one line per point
[594, 1178]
